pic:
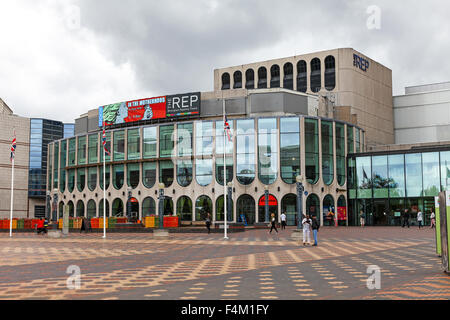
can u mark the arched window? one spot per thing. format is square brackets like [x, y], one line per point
[203, 206]
[61, 209]
[62, 168]
[117, 208]
[237, 77]
[184, 208]
[166, 172]
[312, 150]
[316, 77]
[220, 209]
[289, 207]
[168, 207]
[225, 81]
[341, 211]
[327, 152]
[107, 176]
[275, 76]
[71, 209]
[273, 208]
[91, 209]
[184, 172]
[245, 151]
[313, 205]
[133, 175]
[328, 206]
[148, 207]
[80, 208]
[262, 78]
[250, 79]
[81, 179]
[340, 153]
[288, 78]
[228, 168]
[290, 149]
[71, 180]
[267, 150]
[133, 208]
[302, 78]
[330, 73]
[92, 178]
[245, 209]
[203, 171]
[118, 176]
[100, 208]
[149, 174]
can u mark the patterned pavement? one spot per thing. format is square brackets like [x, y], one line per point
[250, 265]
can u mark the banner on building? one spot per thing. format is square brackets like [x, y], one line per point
[342, 213]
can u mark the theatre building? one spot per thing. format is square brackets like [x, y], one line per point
[303, 116]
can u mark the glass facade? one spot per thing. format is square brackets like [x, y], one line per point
[387, 184]
[143, 156]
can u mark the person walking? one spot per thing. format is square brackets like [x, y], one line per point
[315, 225]
[306, 230]
[40, 226]
[419, 218]
[273, 222]
[208, 222]
[283, 221]
[433, 219]
[405, 218]
[362, 218]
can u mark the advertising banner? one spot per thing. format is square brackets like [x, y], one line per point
[183, 104]
[151, 108]
[342, 213]
[438, 226]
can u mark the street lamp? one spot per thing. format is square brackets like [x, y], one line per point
[229, 203]
[129, 191]
[300, 190]
[266, 194]
[161, 204]
[55, 212]
[49, 201]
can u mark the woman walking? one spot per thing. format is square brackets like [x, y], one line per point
[208, 222]
[306, 230]
[273, 223]
[419, 218]
[433, 219]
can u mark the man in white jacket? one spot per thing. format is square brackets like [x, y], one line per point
[306, 230]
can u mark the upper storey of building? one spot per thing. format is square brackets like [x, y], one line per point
[356, 85]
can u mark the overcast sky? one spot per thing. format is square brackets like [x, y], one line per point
[61, 58]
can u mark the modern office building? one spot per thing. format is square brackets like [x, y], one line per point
[384, 183]
[9, 123]
[358, 89]
[422, 114]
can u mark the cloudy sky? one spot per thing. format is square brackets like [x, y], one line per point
[61, 58]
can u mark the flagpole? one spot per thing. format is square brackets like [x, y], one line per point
[104, 193]
[224, 176]
[12, 198]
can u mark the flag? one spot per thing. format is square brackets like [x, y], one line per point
[227, 128]
[13, 147]
[104, 142]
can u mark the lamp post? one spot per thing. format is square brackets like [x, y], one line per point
[300, 190]
[229, 202]
[49, 201]
[129, 191]
[55, 212]
[266, 195]
[161, 205]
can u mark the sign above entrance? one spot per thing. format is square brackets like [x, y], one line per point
[361, 63]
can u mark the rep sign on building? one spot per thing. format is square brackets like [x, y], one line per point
[150, 109]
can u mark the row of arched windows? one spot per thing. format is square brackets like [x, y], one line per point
[286, 79]
[246, 208]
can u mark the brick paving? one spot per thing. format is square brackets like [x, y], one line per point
[250, 265]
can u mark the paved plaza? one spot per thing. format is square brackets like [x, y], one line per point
[250, 265]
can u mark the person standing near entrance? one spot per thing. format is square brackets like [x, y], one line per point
[273, 223]
[315, 225]
[433, 219]
[362, 218]
[208, 222]
[405, 218]
[306, 230]
[419, 218]
[283, 221]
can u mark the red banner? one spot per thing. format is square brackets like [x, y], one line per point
[146, 109]
[272, 201]
[342, 213]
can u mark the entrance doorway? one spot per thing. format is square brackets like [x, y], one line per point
[380, 212]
